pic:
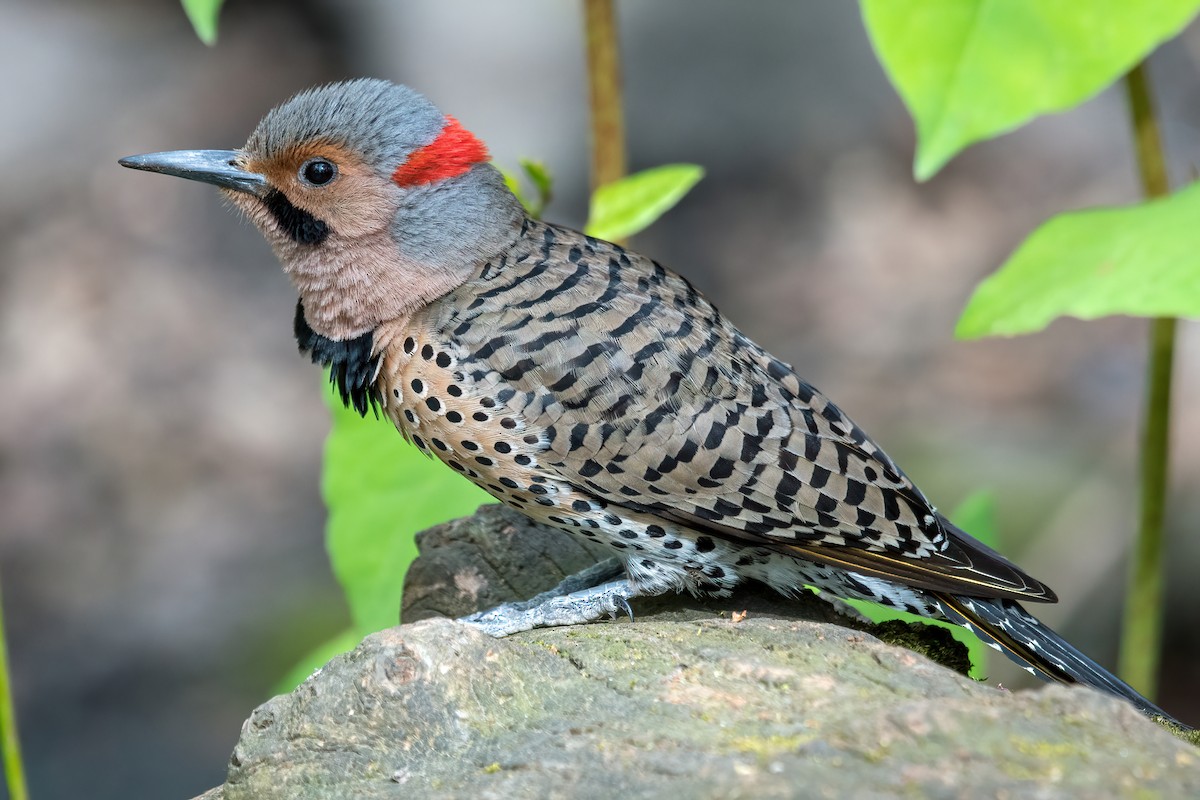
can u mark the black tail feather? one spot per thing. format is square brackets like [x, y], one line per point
[1008, 627]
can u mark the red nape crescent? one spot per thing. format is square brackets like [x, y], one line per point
[452, 153]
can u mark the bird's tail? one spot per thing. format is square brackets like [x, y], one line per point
[1012, 630]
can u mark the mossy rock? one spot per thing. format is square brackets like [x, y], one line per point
[752, 696]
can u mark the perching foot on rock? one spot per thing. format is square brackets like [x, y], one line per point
[584, 605]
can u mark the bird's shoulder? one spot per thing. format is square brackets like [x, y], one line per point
[554, 274]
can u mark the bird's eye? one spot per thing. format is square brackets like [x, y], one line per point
[318, 171]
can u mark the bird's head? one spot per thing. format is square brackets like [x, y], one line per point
[374, 201]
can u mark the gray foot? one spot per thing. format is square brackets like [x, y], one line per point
[596, 575]
[549, 609]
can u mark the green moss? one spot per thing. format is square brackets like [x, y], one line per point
[936, 644]
[1189, 735]
[1044, 759]
[766, 747]
[1047, 751]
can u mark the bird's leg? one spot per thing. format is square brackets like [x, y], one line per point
[582, 597]
[603, 572]
[584, 605]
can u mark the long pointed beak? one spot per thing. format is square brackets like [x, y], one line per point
[218, 167]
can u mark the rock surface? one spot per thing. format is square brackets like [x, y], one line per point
[483, 560]
[695, 699]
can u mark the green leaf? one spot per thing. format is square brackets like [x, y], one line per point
[380, 492]
[622, 208]
[543, 185]
[1142, 260]
[540, 177]
[977, 516]
[513, 183]
[970, 70]
[316, 658]
[203, 16]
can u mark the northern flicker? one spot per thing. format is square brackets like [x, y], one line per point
[589, 387]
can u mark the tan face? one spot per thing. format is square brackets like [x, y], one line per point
[353, 201]
[362, 240]
[351, 278]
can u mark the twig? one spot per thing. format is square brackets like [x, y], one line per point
[604, 89]
[1141, 633]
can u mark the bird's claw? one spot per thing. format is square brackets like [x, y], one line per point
[621, 604]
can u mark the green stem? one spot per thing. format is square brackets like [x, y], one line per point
[604, 91]
[10, 743]
[1141, 633]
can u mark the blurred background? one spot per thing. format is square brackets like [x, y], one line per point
[160, 439]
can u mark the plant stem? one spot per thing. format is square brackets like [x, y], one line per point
[1141, 634]
[10, 743]
[604, 91]
[1152, 161]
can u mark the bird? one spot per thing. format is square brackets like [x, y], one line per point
[589, 387]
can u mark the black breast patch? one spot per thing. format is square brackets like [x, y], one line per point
[352, 368]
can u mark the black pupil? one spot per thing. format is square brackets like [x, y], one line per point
[318, 172]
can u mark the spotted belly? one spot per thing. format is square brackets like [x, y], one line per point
[451, 408]
[459, 412]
